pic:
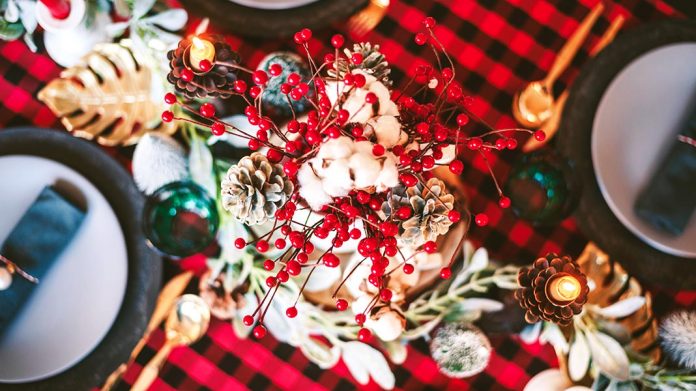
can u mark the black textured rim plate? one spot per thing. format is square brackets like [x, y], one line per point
[574, 142]
[265, 23]
[144, 266]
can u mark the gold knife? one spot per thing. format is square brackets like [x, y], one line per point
[551, 125]
[165, 301]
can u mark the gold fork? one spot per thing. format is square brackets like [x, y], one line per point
[369, 17]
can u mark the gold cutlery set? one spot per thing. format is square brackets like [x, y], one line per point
[535, 106]
[187, 319]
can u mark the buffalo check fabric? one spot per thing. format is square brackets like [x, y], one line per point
[497, 46]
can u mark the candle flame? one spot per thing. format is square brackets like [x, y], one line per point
[198, 43]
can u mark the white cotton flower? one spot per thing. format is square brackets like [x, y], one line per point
[337, 148]
[387, 130]
[365, 169]
[360, 303]
[311, 187]
[678, 335]
[388, 327]
[388, 175]
[336, 178]
[354, 103]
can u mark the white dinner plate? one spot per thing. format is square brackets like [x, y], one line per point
[635, 125]
[273, 4]
[75, 304]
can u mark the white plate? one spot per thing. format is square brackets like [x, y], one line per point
[635, 125]
[273, 4]
[77, 301]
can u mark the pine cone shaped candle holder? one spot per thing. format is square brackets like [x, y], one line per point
[553, 289]
[213, 79]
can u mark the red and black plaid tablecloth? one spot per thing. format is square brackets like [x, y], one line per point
[497, 45]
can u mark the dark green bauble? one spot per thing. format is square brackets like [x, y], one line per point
[542, 188]
[275, 103]
[181, 219]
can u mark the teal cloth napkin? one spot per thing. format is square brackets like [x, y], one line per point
[41, 235]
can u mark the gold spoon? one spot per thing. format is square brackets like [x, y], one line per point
[535, 103]
[551, 125]
[186, 324]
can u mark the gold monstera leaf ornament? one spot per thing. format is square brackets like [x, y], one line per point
[107, 97]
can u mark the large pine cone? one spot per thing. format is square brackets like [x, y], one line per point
[210, 84]
[430, 208]
[532, 294]
[254, 189]
[373, 63]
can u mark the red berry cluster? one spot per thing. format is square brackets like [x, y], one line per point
[436, 126]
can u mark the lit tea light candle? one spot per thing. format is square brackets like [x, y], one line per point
[563, 288]
[201, 50]
[59, 9]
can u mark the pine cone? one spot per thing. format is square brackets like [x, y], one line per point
[373, 63]
[254, 189]
[208, 84]
[532, 294]
[430, 206]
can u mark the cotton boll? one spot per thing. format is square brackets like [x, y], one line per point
[360, 304]
[358, 110]
[336, 178]
[311, 189]
[363, 147]
[386, 106]
[388, 327]
[388, 176]
[387, 129]
[339, 148]
[365, 169]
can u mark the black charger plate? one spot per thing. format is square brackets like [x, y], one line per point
[264, 23]
[594, 217]
[144, 266]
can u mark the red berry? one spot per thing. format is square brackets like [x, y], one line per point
[275, 69]
[271, 281]
[205, 65]
[254, 91]
[313, 137]
[421, 39]
[429, 22]
[454, 216]
[274, 155]
[280, 243]
[409, 180]
[283, 276]
[504, 202]
[456, 166]
[291, 312]
[268, 265]
[306, 34]
[423, 128]
[360, 319]
[474, 143]
[260, 77]
[308, 248]
[511, 143]
[445, 273]
[262, 246]
[462, 119]
[187, 75]
[364, 335]
[363, 197]
[539, 135]
[253, 144]
[293, 268]
[341, 304]
[359, 80]
[218, 129]
[170, 98]
[248, 320]
[259, 331]
[337, 41]
[167, 116]
[430, 247]
[356, 58]
[385, 294]
[378, 150]
[428, 162]
[481, 219]
[302, 258]
[404, 212]
[371, 98]
[501, 143]
[408, 268]
[240, 243]
[290, 168]
[298, 38]
[331, 260]
[294, 79]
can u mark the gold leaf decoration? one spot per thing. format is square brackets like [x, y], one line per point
[614, 284]
[106, 97]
